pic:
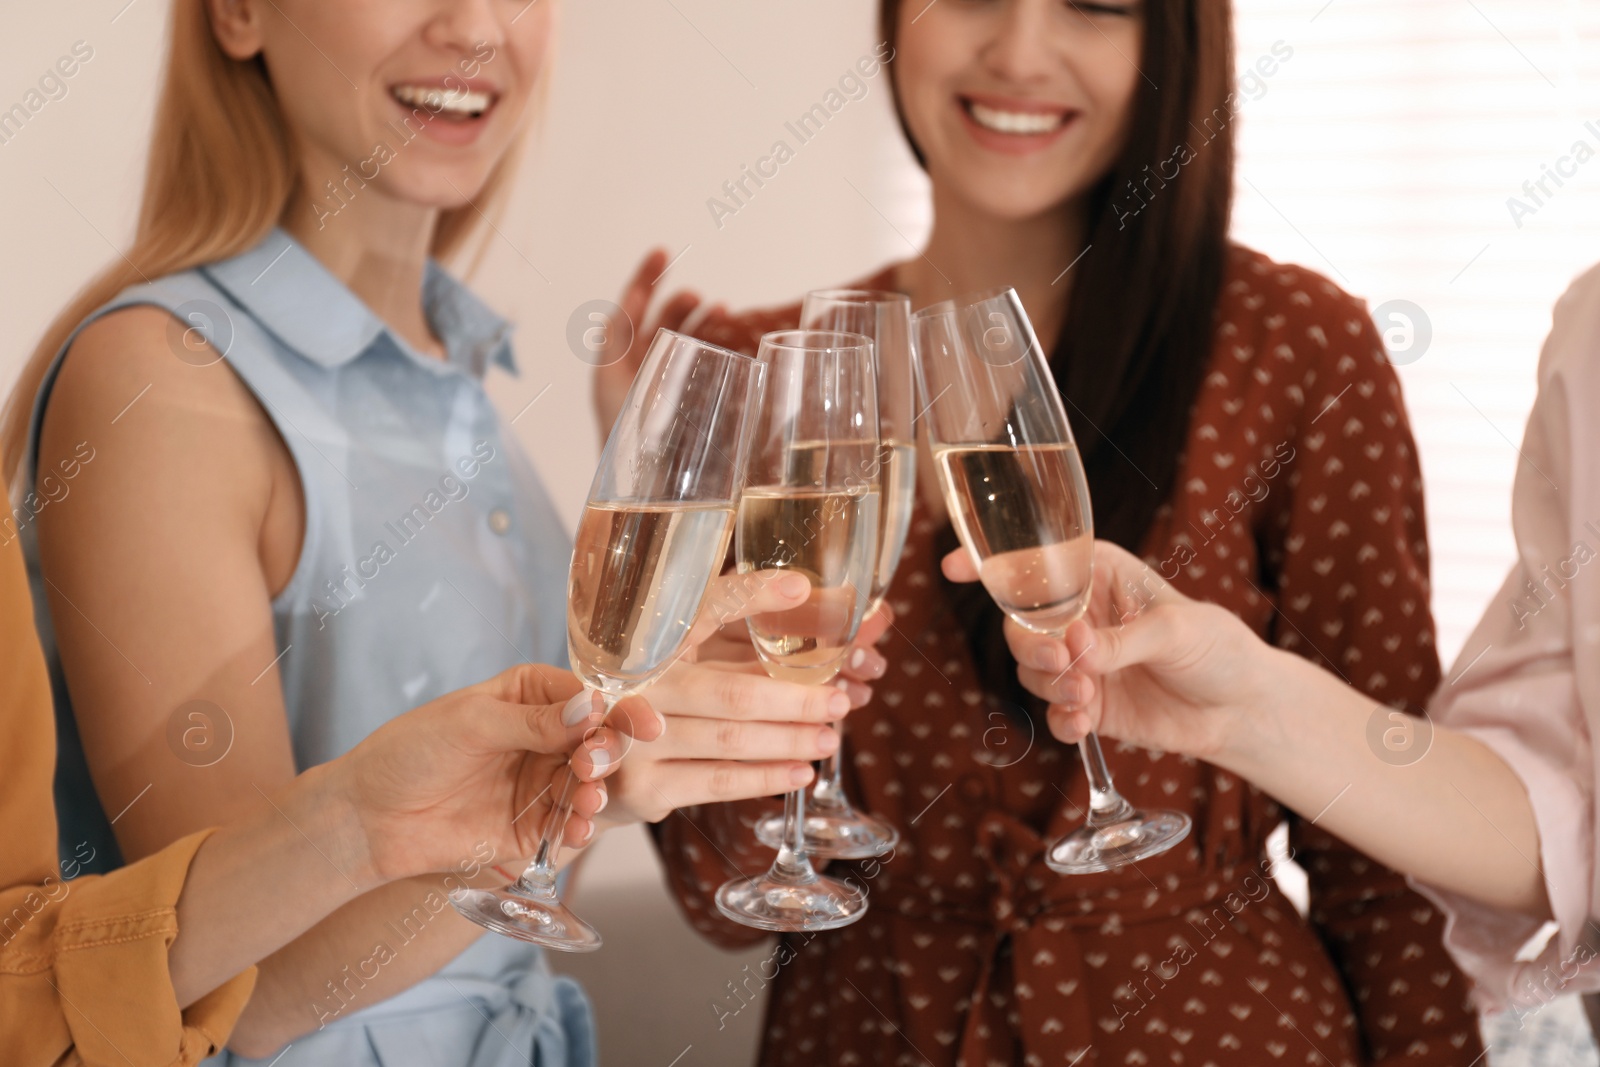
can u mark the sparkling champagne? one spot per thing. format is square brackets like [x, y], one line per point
[830, 536]
[1024, 513]
[639, 577]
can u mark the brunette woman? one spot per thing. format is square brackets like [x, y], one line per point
[294, 512]
[1241, 427]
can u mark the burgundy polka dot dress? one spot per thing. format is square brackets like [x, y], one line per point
[1298, 505]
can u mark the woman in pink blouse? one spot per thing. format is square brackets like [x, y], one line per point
[1491, 811]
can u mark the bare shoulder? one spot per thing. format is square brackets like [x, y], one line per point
[159, 406]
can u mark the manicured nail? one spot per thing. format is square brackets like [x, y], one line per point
[800, 775]
[605, 798]
[578, 709]
[588, 832]
[839, 702]
[600, 759]
[827, 742]
[793, 585]
[857, 658]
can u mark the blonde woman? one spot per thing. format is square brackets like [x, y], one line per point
[294, 512]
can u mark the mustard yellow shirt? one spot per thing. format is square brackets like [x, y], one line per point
[83, 963]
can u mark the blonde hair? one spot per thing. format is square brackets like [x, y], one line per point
[221, 171]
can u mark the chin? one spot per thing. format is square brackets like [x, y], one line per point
[444, 188]
[1007, 199]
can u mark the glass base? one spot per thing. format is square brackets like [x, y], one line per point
[527, 914]
[773, 902]
[834, 835]
[1105, 847]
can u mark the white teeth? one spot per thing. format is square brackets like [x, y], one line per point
[456, 101]
[1014, 121]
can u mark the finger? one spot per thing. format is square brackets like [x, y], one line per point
[530, 683]
[726, 647]
[1156, 638]
[874, 626]
[1133, 583]
[959, 566]
[636, 718]
[685, 783]
[692, 690]
[736, 596]
[864, 664]
[860, 695]
[599, 754]
[586, 799]
[636, 295]
[1069, 688]
[1039, 651]
[754, 742]
[677, 310]
[1071, 725]
[507, 726]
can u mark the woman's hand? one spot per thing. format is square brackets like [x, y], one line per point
[627, 341]
[1146, 664]
[863, 664]
[482, 764]
[733, 733]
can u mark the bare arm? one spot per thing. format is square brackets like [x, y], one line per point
[162, 564]
[1161, 670]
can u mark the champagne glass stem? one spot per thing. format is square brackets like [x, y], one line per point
[1105, 803]
[829, 790]
[540, 876]
[793, 863]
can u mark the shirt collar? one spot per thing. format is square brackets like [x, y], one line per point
[287, 290]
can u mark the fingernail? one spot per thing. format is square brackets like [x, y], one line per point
[827, 742]
[800, 775]
[878, 666]
[1070, 692]
[605, 798]
[1047, 658]
[578, 709]
[839, 702]
[857, 658]
[588, 832]
[792, 585]
[600, 759]
[661, 725]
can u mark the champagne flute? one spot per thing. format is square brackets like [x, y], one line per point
[834, 829]
[810, 504]
[652, 537]
[1017, 494]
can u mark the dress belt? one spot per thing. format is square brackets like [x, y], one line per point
[1031, 906]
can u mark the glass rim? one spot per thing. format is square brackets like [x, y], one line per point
[966, 300]
[798, 340]
[860, 296]
[675, 337]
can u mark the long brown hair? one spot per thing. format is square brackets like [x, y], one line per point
[221, 171]
[1140, 318]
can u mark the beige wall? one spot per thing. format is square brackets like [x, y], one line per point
[653, 106]
[650, 111]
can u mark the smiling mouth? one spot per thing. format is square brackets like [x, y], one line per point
[1030, 123]
[451, 104]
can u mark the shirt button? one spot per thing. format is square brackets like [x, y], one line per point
[500, 521]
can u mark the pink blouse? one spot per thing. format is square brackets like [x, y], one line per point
[1527, 684]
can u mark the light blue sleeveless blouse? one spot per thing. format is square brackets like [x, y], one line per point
[432, 559]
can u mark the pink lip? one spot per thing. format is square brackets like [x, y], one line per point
[1013, 144]
[454, 132]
